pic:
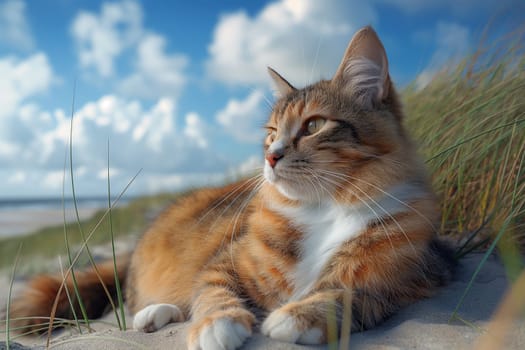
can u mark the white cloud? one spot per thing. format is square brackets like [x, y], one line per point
[452, 42]
[196, 129]
[156, 72]
[305, 37]
[152, 138]
[244, 119]
[100, 39]
[250, 166]
[118, 32]
[14, 28]
[53, 180]
[174, 182]
[103, 173]
[23, 78]
[17, 178]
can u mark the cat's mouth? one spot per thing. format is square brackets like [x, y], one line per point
[270, 174]
[286, 186]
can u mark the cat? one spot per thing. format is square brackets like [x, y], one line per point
[339, 225]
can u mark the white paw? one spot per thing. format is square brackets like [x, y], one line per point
[222, 334]
[155, 316]
[282, 326]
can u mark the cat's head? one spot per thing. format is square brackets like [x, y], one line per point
[341, 136]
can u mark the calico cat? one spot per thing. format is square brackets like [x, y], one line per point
[340, 224]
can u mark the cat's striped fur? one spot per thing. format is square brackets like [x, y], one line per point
[343, 212]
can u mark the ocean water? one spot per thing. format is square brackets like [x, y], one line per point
[22, 216]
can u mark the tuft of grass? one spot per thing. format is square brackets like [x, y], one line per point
[469, 122]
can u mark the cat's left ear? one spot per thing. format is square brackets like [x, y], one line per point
[364, 68]
[281, 84]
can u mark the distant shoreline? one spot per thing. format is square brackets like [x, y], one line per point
[20, 216]
[56, 202]
[16, 221]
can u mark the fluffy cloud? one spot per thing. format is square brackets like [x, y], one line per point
[156, 72]
[23, 78]
[101, 38]
[196, 129]
[303, 38]
[152, 138]
[14, 28]
[244, 119]
[452, 41]
[250, 166]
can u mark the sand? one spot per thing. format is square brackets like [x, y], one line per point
[17, 221]
[424, 325]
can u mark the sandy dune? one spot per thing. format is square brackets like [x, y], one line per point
[424, 325]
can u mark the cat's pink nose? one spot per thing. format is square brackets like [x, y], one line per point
[272, 158]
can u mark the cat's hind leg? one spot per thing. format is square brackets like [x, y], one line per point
[155, 316]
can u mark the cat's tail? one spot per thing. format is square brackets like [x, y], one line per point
[31, 310]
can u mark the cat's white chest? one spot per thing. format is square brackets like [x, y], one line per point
[328, 225]
[324, 228]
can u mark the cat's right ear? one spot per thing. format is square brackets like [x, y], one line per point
[363, 70]
[281, 84]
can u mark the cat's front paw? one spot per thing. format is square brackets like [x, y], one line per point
[283, 326]
[220, 332]
[153, 317]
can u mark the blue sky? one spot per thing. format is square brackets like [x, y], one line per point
[179, 89]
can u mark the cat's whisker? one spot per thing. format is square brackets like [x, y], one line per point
[382, 222]
[380, 207]
[237, 188]
[367, 154]
[427, 220]
[268, 102]
[376, 215]
[240, 211]
[315, 59]
[238, 192]
[255, 185]
[417, 256]
[258, 181]
[353, 178]
[318, 179]
[315, 187]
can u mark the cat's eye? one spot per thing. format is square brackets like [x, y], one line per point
[271, 134]
[314, 125]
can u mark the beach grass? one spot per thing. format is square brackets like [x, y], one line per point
[469, 123]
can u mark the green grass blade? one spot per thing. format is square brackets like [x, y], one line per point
[117, 282]
[469, 139]
[66, 236]
[75, 205]
[8, 306]
[480, 265]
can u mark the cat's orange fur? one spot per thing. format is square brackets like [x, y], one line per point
[344, 212]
